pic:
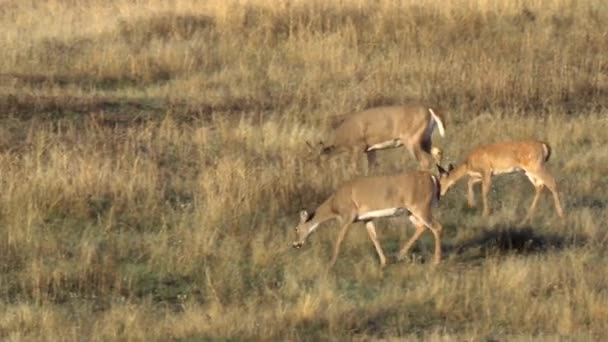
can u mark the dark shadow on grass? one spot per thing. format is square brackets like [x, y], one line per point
[506, 239]
[587, 201]
[127, 112]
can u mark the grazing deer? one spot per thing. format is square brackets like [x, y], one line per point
[483, 162]
[366, 198]
[388, 127]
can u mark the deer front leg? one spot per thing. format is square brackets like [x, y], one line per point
[470, 193]
[372, 162]
[341, 236]
[486, 182]
[371, 230]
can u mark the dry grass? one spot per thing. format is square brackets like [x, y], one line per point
[151, 157]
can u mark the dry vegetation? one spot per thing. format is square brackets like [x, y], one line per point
[152, 167]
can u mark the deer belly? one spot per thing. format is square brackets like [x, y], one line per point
[387, 144]
[504, 171]
[380, 213]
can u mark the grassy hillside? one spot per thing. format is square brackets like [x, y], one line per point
[153, 164]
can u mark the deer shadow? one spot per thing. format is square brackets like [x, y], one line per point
[509, 240]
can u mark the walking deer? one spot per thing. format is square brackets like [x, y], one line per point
[379, 128]
[367, 198]
[485, 161]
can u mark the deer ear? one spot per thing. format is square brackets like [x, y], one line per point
[303, 216]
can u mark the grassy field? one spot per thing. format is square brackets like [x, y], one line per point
[153, 164]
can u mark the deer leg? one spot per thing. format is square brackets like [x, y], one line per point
[419, 230]
[341, 236]
[426, 144]
[371, 230]
[371, 160]
[538, 187]
[470, 193]
[354, 156]
[549, 181]
[424, 158]
[355, 150]
[436, 230]
[486, 182]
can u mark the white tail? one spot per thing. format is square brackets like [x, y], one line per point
[438, 121]
[387, 127]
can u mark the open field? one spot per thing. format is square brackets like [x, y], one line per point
[153, 164]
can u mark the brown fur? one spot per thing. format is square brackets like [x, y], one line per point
[409, 123]
[411, 192]
[485, 161]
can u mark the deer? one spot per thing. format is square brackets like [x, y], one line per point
[410, 125]
[366, 198]
[486, 161]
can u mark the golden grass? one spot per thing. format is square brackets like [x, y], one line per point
[153, 163]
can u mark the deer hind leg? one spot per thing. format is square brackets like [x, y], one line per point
[549, 181]
[486, 182]
[435, 152]
[424, 158]
[371, 230]
[436, 230]
[419, 224]
[538, 187]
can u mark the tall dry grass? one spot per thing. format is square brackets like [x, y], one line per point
[520, 57]
[153, 163]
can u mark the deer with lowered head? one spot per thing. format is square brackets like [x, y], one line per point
[367, 198]
[370, 130]
[486, 161]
